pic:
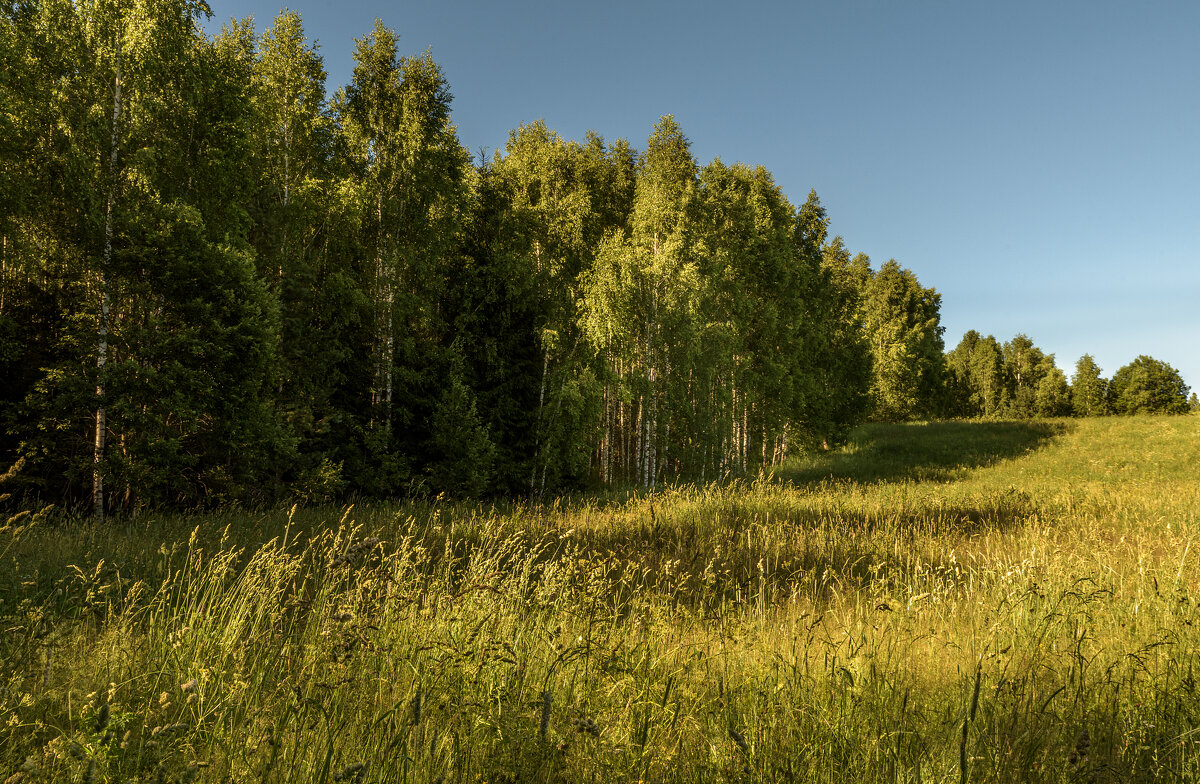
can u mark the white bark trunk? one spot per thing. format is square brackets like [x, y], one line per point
[537, 441]
[105, 304]
[3, 270]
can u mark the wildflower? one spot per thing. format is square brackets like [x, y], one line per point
[1080, 754]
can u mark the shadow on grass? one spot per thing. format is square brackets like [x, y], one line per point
[937, 451]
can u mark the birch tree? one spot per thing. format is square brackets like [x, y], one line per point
[396, 118]
[1089, 390]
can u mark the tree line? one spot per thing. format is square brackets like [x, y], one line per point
[1017, 380]
[219, 282]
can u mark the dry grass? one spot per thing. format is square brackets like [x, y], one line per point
[951, 602]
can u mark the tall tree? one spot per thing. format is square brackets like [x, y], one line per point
[1089, 390]
[167, 315]
[1052, 397]
[305, 210]
[975, 376]
[666, 281]
[753, 316]
[395, 116]
[551, 227]
[901, 320]
[637, 300]
[833, 375]
[1023, 366]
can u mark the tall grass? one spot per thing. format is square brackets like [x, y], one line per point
[950, 602]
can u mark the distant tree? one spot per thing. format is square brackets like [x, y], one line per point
[1089, 391]
[901, 319]
[1194, 404]
[1023, 366]
[1148, 386]
[975, 377]
[1052, 398]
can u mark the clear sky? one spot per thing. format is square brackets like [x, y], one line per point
[1035, 162]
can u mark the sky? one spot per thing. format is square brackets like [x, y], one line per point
[1038, 163]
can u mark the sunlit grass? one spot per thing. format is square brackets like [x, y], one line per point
[957, 601]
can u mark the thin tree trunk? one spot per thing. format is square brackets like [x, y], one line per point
[605, 448]
[380, 276]
[105, 304]
[745, 449]
[640, 464]
[287, 178]
[384, 372]
[554, 420]
[537, 441]
[664, 460]
[3, 270]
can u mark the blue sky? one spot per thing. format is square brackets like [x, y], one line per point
[1036, 162]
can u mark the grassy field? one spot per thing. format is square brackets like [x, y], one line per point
[936, 603]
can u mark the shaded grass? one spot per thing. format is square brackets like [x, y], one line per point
[968, 619]
[935, 451]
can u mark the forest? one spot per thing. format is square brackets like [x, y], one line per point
[220, 282]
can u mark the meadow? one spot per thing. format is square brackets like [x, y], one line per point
[946, 602]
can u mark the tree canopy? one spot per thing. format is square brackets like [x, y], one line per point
[220, 283]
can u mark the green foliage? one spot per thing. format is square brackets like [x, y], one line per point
[835, 394]
[976, 377]
[1052, 398]
[1148, 386]
[220, 285]
[305, 212]
[901, 322]
[551, 225]
[140, 238]
[1089, 390]
[461, 447]
[1015, 380]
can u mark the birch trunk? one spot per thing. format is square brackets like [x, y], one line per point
[3, 270]
[640, 463]
[605, 443]
[537, 441]
[105, 304]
